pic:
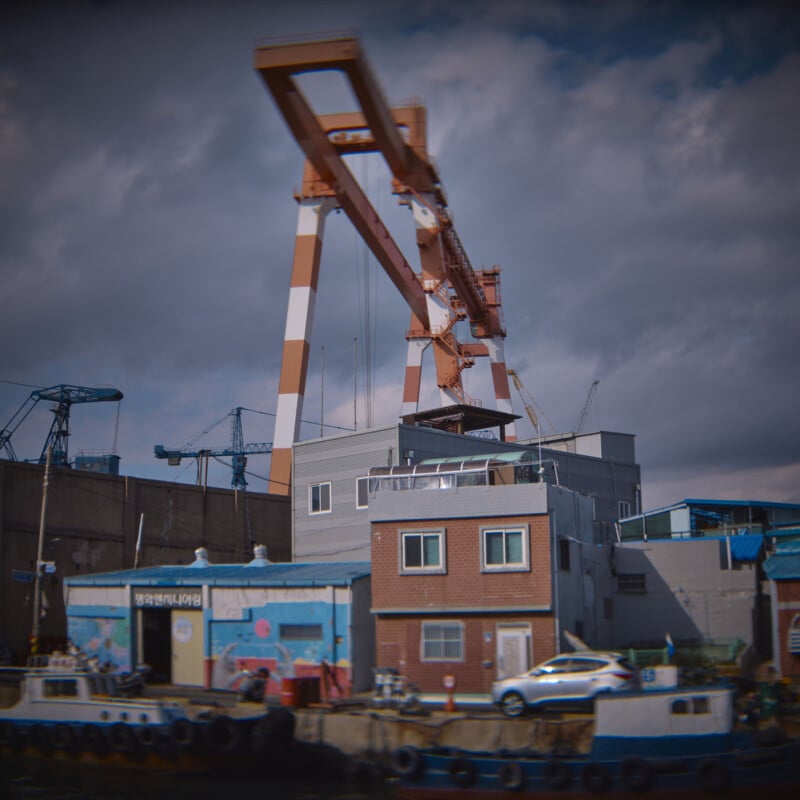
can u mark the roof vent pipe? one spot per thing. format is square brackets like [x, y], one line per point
[200, 558]
[260, 553]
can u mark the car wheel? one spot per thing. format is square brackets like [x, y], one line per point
[513, 704]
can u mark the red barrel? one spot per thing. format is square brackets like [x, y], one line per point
[289, 692]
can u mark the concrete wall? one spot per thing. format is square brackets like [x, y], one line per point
[92, 523]
[688, 594]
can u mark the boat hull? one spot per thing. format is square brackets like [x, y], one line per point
[772, 771]
[221, 742]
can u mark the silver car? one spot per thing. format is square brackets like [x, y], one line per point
[575, 676]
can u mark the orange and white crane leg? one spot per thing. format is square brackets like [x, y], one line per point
[416, 349]
[297, 338]
[502, 391]
[438, 304]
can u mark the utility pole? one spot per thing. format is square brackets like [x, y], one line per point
[37, 586]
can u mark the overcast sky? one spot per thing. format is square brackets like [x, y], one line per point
[631, 166]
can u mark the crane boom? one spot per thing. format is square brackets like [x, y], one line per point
[64, 396]
[527, 400]
[586, 405]
[237, 450]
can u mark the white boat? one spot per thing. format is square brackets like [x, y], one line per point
[67, 708]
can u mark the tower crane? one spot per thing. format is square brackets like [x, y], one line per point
[238, 450]
[63, 396]
[586, 405]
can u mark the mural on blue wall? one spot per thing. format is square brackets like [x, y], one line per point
[287, 635]
[108, 638]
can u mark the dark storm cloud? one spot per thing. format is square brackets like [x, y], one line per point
[631, 166]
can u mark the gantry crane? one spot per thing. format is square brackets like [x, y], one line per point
[447, 290]
[63, 397]
[238, 451]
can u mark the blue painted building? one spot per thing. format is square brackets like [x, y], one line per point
[203, 624]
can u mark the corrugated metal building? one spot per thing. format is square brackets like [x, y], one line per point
[202, 624]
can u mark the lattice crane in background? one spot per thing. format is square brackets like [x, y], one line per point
[527, 400]
[448, 289]
[63, 397]
[585, 410]
[238, 451]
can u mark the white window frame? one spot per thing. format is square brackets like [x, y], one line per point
[359, 481]
[623, 509]
[522, 566]
[311, 488]
[424, 641]
[437, 569]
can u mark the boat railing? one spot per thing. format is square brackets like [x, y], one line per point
[56, 662]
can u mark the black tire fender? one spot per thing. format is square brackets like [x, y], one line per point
[93, 738]
[147, 735]
[462, 772]
[42, 738]
[63, 736]
[556, 774]
[120, 737]
[406, 762]
[511, 776]
[181, 731]
[712, 774]
[637, 774]
[596, 778]
[7, 733]
[224, 734]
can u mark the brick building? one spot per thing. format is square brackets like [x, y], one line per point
[783, 570]
[477, 568]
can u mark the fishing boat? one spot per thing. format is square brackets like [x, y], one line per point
[69, 709]
[662, 743]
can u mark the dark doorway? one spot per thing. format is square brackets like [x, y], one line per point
[157, 643]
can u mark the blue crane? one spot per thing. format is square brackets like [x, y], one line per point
[63, 398]
[238, 451]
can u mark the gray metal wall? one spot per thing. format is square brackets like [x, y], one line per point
[344, 532]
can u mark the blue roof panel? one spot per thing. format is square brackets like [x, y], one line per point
[746, 547]
[339, 573]
[783, 566]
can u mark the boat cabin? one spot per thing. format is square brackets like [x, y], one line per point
[693, 719]
[60, 688]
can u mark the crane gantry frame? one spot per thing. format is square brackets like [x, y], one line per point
[447, 290]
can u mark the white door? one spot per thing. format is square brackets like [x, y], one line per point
[187, 648]
[514, 651]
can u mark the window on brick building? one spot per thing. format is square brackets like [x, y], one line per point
[504, 549]
[422, 551]
[319, 498]
[442, 641]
